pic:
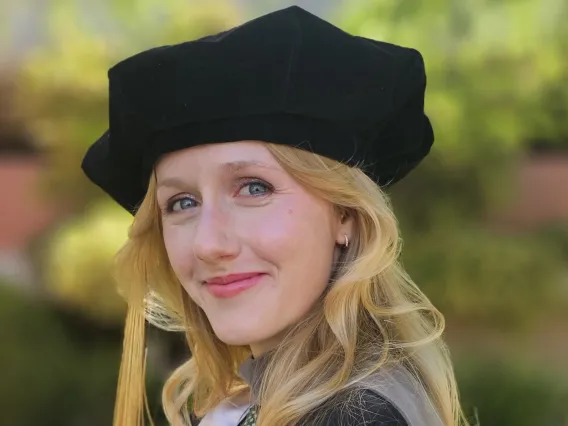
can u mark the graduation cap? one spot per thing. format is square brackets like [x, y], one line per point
[287, 77]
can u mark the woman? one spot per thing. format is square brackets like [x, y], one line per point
[253, 161]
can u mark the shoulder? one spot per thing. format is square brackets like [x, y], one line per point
[356, 407]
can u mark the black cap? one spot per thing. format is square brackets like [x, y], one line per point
[288, 77]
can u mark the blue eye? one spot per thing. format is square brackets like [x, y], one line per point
[180, 204]
[250, 188]
[255, 188]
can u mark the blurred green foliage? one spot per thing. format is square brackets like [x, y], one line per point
[504, 392]
[78, 262]
[496, 69]
[497, 75]
[49, 375]
[59, 368]
[475, 275]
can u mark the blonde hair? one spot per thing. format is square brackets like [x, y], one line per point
[372, 316]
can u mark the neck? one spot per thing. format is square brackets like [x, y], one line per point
[252, 371]
[259, 349]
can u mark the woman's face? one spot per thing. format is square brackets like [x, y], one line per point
[249, 244]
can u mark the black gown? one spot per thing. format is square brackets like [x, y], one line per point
[366, 407]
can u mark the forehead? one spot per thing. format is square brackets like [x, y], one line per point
[210, 157]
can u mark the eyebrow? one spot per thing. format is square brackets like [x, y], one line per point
[230, 167]
[235, 166]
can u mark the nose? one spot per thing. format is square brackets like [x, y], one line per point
[215, 237]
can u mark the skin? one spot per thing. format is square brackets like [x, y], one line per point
[230, 208]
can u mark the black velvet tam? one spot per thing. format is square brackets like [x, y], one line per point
[288, 77]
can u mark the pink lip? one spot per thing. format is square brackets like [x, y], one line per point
[231, 285]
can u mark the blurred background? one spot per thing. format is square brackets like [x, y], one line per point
[484, 219]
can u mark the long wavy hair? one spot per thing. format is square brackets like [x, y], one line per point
[372, 315]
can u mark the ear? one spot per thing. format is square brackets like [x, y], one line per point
[345, 227]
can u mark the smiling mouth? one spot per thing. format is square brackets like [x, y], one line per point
[231, 278]
[232, 285]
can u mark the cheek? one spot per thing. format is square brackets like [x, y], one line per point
[174, 246]
[298, 241]
[277, 234]
[177, 241]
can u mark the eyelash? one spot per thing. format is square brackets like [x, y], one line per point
[241, 184]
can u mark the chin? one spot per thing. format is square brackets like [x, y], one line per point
[238, 334]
